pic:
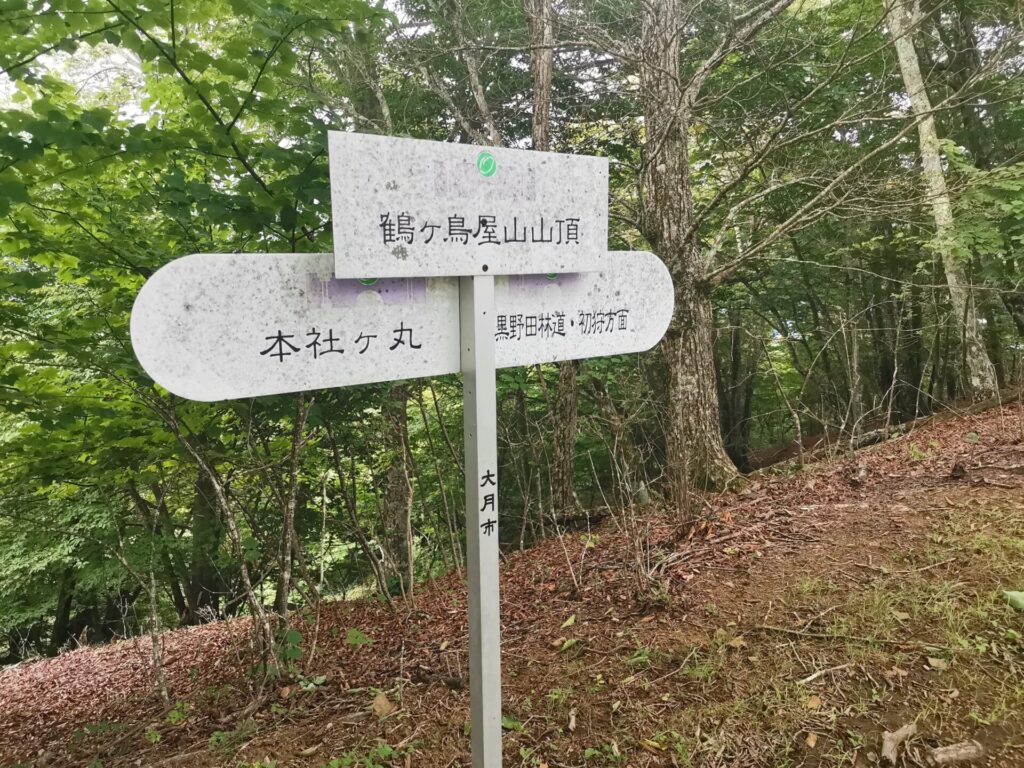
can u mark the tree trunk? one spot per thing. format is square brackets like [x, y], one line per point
[695, 455]
[1014, 303]
[564, 428]
[540, 17]
[161, 527]
[911, 380]
[288, 498]
[735, 392]
[348, 495]
[204, 586]
[627, 464]
[62, 617]
[262, 626]
[398, 489]
[903, 18]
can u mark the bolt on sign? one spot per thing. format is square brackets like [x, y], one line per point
[447, 258]
[411, 208]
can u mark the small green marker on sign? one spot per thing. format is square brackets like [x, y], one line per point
[486, 164]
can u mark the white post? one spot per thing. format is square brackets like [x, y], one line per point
[477, 325]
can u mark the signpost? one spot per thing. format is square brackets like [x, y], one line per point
[447, 258]
[226, 326]
[410, 208]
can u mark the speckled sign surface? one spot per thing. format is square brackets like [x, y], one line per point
[223, 326]
[413, 208]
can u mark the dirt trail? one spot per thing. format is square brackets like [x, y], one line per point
[808, 614]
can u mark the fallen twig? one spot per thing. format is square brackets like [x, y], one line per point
[821, 615]
[963, 752]
[820, 673]
[928, 567]
[891, 741]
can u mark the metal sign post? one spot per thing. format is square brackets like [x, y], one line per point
[480, 435]
[442, 263]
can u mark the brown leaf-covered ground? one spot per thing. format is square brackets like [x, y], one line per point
[811, 612]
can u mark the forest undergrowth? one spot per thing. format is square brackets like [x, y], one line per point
[809, 614]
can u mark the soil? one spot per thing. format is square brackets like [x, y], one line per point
[797, 621]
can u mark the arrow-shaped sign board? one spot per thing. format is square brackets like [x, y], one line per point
[224, 326]
[409, 208]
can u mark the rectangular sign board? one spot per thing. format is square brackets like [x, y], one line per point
[413, 208]
[224, 326]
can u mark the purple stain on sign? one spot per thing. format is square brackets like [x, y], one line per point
[392, 290]
[527, 285]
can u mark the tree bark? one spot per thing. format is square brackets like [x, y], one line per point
[695, 454]
[62, 616]
[397, 489]
[627, 463]
[150, 514]
[348, 495]
[262, 626]
[565, 426]
[288, 498]
[735, 394]
[565, 416]
[540, 18]
[903, 18]
[204, 586]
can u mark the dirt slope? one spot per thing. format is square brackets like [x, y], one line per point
[808, 614]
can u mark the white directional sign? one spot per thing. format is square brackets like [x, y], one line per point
[444, 261]
[410, 208]
[223, 326]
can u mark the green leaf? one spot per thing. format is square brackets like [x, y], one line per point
[510, 724]
[1015, 599]
[357, 637]
[13, 192]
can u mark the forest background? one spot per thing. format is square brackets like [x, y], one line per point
[837, 188]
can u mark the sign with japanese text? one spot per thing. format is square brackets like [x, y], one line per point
[222, 326]
[447, 258]
[411, 208]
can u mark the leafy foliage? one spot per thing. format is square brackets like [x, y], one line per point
[134, 132]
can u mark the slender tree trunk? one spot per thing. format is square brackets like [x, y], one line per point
[564, 430]
[1014, 304]
[695, 455]
[62, 617]
[156, 636]
[204, 587]
[540, 17]
[149, 512]
[735, 389]
[262, 625]
[903, 18]
[856, 395]
[398, 488]
[565, 421]
[348, 495]
[913, 378]
[626, 460]
[287, 550]
[993, 342]
[449, 518]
